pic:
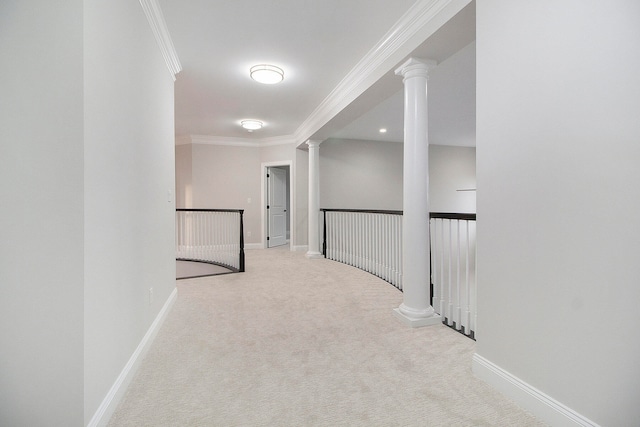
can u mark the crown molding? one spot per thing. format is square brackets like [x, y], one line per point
[277, 140]
[235, 142]
[222, 140]
[415, 26]
[159, 27]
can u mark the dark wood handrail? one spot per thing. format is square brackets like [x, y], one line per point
[209, 210]
[377, 211]
[445, 215]
[432, 215]
[452, 215]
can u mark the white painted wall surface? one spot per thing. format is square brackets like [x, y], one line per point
[41, 231]
[129, 210]
[360, 174]
[368, 175]
[558, 156]
[452, 169]
[184, 191]
[277, 153]
[226, 177]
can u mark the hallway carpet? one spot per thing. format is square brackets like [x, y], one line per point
[298, 342]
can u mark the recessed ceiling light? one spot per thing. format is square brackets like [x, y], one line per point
[267, 74]
[383, 130]
[251, 125]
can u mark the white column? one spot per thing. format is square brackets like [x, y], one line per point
[416, 309]
[314, 199]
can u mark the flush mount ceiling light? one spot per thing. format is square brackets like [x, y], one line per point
[251, 125]
[267, 74]
[383, 130]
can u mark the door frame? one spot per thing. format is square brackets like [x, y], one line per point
[263, 200]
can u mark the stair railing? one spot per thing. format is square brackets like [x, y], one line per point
[371, 240]
[214, 236]
[453, 269]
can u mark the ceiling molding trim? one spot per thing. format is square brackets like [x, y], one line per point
[225, 141]
[236, 142]
[159, 27]
[278, 140]
[415, 26]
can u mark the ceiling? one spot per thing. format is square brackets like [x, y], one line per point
[317, 43]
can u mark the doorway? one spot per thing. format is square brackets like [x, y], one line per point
[277, 196]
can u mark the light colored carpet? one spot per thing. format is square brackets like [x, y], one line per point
[298, 342]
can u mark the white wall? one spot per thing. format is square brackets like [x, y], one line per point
[558, 150]
[368, 175]
[183, 176]
[41, 232]
[360, 174]
[452, 169]
[226, 177]
[86, 160]
[129, 164]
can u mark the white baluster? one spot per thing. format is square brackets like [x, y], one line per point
[467, 329]
[340, 228]
[386, 244]
[380, 239]
[434, 261]
[366, 240]
[359, 237]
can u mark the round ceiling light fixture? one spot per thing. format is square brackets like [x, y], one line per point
[251, 125]
[267, 74]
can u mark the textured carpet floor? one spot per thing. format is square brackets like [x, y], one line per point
[298, 342]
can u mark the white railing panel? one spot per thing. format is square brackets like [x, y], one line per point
[210, 236]
[453, 271]
[370, 241]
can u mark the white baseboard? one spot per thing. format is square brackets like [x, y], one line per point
[530, 398]
[119, 387]
[253, 246]
[300, 248]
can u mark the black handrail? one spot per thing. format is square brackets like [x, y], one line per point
[444, 215]
[209, 210]
[380, 211]
[450, 215]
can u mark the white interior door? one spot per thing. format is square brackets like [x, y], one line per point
[277, 207]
